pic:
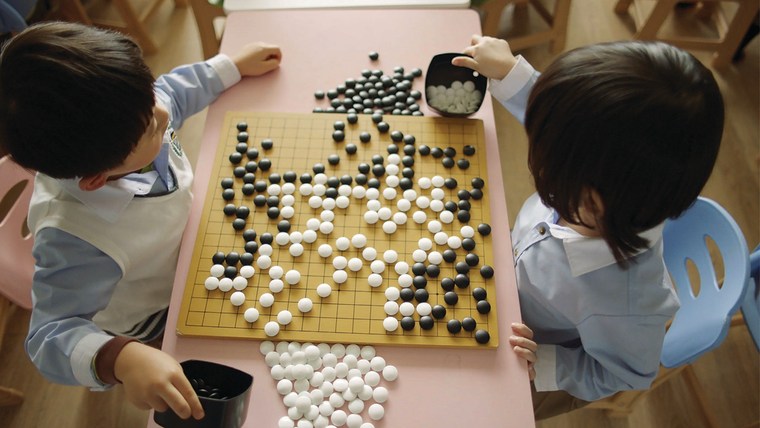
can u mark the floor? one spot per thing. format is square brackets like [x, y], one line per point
[730, 375]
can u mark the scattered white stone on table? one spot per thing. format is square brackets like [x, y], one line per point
[424, 183]
[392, 293]
[423, 202]
[342, 202]
[282, 238]
[247, 271]
[390, 324]
[326, 227]
[399, 218]
[376, 411]
[372, 379]
[336, 400]
[309, 236]
[266, 250]
[384, 213]
[356, 384]
[377, 266]
[369, 253]
[425, 244]
[390, 307]
[410, 195]
[419, 217]
[311, 224]
[340, 276]
[327, 215]
[419, 256]
[276, 272]
[292, 277]
[389, 227]
[437, 181]
[377, 363]
[283, 347]
[338, 418]
[272, 358]
[324, 250]
[315, 202]
[403, 205]
[266, 300]
[211, 283]
[424, 309]
[435, 257]
[356, 406]
[266, 346]
[324, 290]
[372, 193]
[296, 250]
[340, 262]
[287, 212]
[285, 422]
[305, 304]
[436, 205]
[405, 280]
[367, 352]
[271, 328]
[441, 238]
[355, 264]
[284, 386]
[237, 298]
[374, 205]
[278, 373]
[342, 243]
[359, 240]
[437, 194]
[406, 309]
[434, 226]
[390, 373]
[276, 285]
[366, 425]
[217, 271]
[264, 262]
[251, 315]
[326, 409]
[380, 394]
[225, 285]
[305, 189]
[374, 280]
[389, 193]
[359, 192]
[401, 267]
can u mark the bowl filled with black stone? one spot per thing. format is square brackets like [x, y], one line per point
[224, 393]
[453, 91]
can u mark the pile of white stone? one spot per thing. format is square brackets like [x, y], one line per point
[458, 98]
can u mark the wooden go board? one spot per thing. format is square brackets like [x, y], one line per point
[354, 311]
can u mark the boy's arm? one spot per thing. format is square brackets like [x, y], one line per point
[513, 90]
[617, 354]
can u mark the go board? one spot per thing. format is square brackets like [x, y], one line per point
[354, 311]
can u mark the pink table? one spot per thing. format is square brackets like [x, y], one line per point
[436, 387]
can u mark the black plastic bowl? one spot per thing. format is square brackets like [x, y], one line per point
[441, 72]
[223, 391]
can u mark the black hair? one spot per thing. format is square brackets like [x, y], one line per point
[74, 100]
[639, 123]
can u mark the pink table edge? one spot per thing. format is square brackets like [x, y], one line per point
[442, 387]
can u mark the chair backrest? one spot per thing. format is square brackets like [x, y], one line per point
[703, 320]
[16, 261]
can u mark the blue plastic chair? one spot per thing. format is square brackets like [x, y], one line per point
[751, 302]
[702, 322]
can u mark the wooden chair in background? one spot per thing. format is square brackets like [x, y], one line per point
[730, 28]
[205, 14]
[555, 35]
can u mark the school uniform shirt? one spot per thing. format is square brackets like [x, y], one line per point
[106, 259]
[599, 328]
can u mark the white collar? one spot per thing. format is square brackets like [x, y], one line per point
[586, 254]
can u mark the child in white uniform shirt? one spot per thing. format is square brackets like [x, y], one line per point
[111, 199]
[621, 137]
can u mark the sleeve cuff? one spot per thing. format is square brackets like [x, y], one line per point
[105, 359]
[546, 368]
[82, 359]
[226, 69]
[514, 81]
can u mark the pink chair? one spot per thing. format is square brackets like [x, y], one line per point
[16, 261]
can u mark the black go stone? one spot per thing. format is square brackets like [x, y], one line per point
[242, 137]
[479, 293]
[378, 170]
[364, 168]
[318, 168]
[463, 216]
[334, 159]
[449, 255]
[463, 163]
[464, 195]
[251, 247]
[476, 194]
[478, 183]
[472, 259]
[252, 153]
[419, 281]
[229, 209]
[249, 235]
[242, 212]
[265, 164]
[482, 336]
[275, 178]
[409, 139]
[407, 161]
[454, 326]
[462, 268]
[246, 259]
[405, 183]
[426, 322]
[218, 258]
[462, 280]
[450, 183]
[232, 258]
[409, 150]
[419, 269]
[438, 312]
[332, 94]
[238, 224]
[421, 295]
[468, 150]
[361, 179]
[267, 144]
[319, 95]
[436, 152]
[346, 179]
[227, 183]
[483, 306]
[331, 193]
[447, 284]
[239, 172]
[283, 226]
[289, 177]
[407, 323]
[230, 272]
[248, 189]
[306, 178]
[447, 162]
[377, 117]
[352, 118]
[373, 183]
[259, 200]
[364, 137]
[228, 194]
[338, 136]
[464, 205]
[383, 127]
[468, 244]
[242, 126]
[339, 125]
[406, 294]
[433, 271]
[235, 158]
[251, 166]
[249, 177]
[273, 201]
[451, 298]
[392, 148]
[397, 136]
[377, 160]
[260, 186]
[266, 238]
[241, 148]
[273, 212]
[450, 206]
[449, 152]
[484, 229]
[351, 148]
[486, 272]
[469, 324]
[374, 56]
[408, 173]
[424, 150]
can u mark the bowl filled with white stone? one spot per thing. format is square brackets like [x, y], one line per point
[453, 91]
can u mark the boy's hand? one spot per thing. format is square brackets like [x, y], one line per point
[153, 379]
[490, 57]
[524, 347]
[258, 58]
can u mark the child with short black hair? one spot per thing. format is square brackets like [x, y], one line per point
[622, 136]
[111, 199]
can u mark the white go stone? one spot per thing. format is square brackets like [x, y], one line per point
[435, 257]
[342, 202]
[419, 217]
[424, 183]
[338, 418]
[276, 272]
[403, 205]
[344, 190]
[327, 215]
[437, 181]
[266, 300]
[276, 285]
[467, 231]
[390, 324]
[274, 189]
[390, 373]
[377, 363]
[320, 178]
[285, 317]
[392, 293]
[309, 236]
[326, 227]
[358, 192]
[437, 194]
[441, 238]
[356, 406]
[287, 212]
[266, 346]
[305, 189]
[288, 188]
[434, 226]
[372, 379]
[324, 290]
[394, 159]
[374, 280]
[264, 262]
[376, 411]
[272, 358]
[251, 315]
[374, 205]
[225, 285]
[406, 309]
[425, 244]
[355, 264]
[217, 271]
[305, 305]
[405, 280]
[356, 384]
[436, 205]
[288, 200]
[390, 307]
[278, 372]
[342, 243]
[389, 193]
[311, 224]
[292, 277]
[423, 202]
[391, 181]
[340, 276]
[324, 250]
[384, 213]
[399, 218]
[390, 256]
[419, 256]
[371, 217]
[315, 202]
[424, 309]
[282, 238]
[391, 169]
[247, 271]
[285, 422]
[446, 217]
[237, 298]
[296, 250]
[410, 195]
[377, 266]
[340, 262]
[372, 193]
[266, 250]
[239, 283]
[211, 283]
[284, 386]
[359, 240]
[454, 242]
[401, 267]
[389, 227]
[271, 328]
[380, 394]
[369, 254]
[367, 352]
